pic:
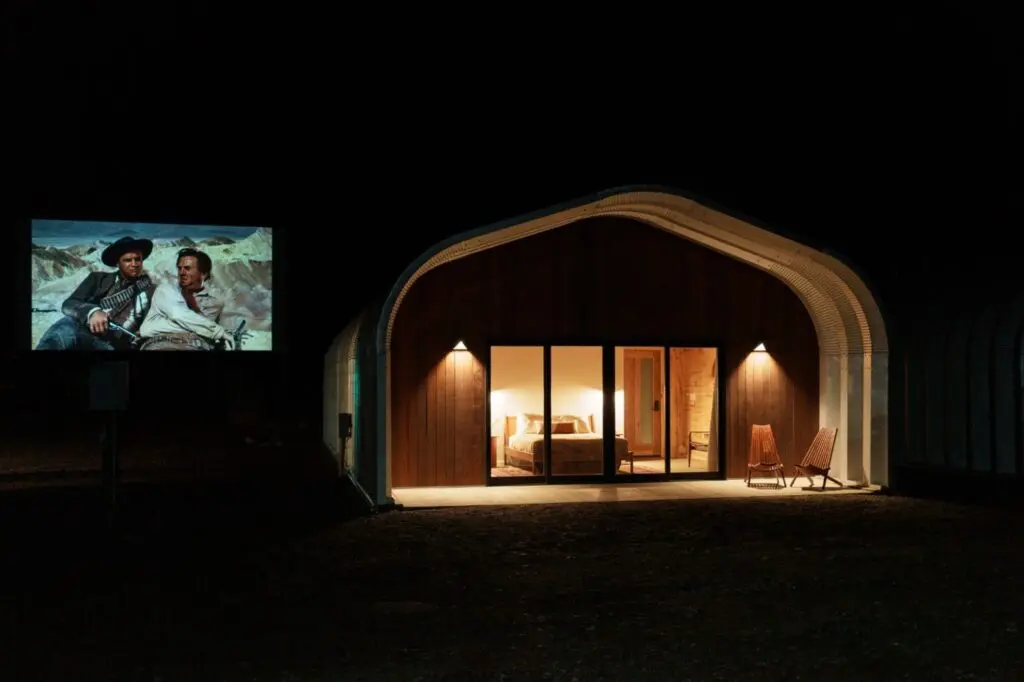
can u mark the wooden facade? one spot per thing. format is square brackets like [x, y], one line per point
[595, 282]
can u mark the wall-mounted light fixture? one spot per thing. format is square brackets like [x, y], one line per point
[460, 346]
[760, 348]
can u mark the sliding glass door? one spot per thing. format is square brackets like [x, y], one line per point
[552, 410]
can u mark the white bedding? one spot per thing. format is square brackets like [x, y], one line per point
[567, 447]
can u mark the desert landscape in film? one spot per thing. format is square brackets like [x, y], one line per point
[64, 252]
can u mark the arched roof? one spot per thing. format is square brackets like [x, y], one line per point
[345, 345]
[845, 314]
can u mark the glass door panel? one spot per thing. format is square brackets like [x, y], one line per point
[577, 410]
[693, 404]
[517, 447]
[639, 415]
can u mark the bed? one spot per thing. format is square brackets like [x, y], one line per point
[575, 447]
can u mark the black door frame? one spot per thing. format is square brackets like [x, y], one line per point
[609, 474]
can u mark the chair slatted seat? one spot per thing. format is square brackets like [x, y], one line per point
[818, 460]
[764, 453]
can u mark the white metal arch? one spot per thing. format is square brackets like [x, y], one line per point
[340, 385]
[852, 340]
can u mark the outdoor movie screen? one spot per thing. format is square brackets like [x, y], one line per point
[100, 286]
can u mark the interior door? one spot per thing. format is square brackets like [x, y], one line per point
[643, 397]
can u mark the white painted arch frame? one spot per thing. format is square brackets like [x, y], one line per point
[852, 340]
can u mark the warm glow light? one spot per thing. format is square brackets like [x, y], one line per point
[620, 411]
[594, 400]
[760, 348]
[462, 346]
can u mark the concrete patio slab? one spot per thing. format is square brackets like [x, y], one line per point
[469, 496]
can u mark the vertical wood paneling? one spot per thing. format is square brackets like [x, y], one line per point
[424, 464]
[436, 424]
[450, 388]
[478, 418]
[764, 389]
[601, 281]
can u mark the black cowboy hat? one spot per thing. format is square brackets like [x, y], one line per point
[112, 253]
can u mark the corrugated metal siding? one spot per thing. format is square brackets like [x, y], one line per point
[965, 368]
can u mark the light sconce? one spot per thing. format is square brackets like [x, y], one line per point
[459, 346]
[760, 348]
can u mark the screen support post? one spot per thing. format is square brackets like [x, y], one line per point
[108, 394]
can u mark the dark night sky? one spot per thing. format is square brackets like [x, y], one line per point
[856, 129]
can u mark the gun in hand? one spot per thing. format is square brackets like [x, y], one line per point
[239, 334]
[136, 340]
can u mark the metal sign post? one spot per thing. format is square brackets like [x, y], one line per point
[108, 393]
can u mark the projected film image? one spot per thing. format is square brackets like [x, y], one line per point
[144, 286]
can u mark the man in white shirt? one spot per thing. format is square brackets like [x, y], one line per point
[187, 316]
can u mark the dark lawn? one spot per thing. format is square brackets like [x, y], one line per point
[814, 588]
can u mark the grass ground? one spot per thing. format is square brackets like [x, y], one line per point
[216, 587]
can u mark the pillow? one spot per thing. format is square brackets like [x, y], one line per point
[525, 423]
[579, 425]
[523, 420]
[563, 427]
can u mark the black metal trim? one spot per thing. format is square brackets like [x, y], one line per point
[547, 413]
[487, 418]
[610, 468]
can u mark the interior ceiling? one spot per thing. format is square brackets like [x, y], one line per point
[845, 315]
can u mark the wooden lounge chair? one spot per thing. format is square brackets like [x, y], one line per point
[818, 460]
[764, 454]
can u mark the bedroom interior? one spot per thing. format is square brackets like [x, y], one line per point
[643, 396]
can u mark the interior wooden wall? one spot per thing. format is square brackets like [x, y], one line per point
[599, 281]
[692, 371]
